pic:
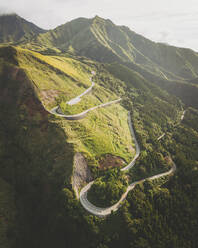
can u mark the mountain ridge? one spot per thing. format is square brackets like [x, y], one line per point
[14, 28]
[100, 39]
[157, 84]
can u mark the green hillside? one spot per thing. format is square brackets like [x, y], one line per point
[156, 82]
[14, 29]
[103, 41]
[169, 67]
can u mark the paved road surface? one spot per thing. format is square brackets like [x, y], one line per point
[78, 98]
[56, 110]
[102, 212]
[83, 193]
[84, 113]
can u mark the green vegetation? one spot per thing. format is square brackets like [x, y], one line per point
[101, 40]
[63, 75]
[191, 119]
[149, 164]
[33, 163]
[104, 131]
[13, 29]
[98, 96]
[172, 68]
[8, 215]
[37, 205]
[108, 189]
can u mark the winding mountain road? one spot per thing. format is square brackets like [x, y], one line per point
[102, 212]
[82, 114]
[57, 111]
[78, 98]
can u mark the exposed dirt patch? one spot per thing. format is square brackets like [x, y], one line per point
[49, 96]
[110, 160]
[81, 173]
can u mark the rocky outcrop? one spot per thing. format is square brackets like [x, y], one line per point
[81, 173]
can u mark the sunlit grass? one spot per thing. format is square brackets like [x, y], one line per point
[103, 131]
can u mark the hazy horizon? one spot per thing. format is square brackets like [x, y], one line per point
[169, 22]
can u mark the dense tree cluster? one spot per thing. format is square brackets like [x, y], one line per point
[35, 173]
[108, 189]
[149, 164]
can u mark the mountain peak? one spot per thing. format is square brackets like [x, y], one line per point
[14, 28]
[98, 19]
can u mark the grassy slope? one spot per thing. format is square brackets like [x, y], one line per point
[21, 105]
[70, 77]
[103, 131]
[48, 162]
[13, 28]
[185, 90]
[111, 133]
[54, 73]
[98, 96]
[102, 40]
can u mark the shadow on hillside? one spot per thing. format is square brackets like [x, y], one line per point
[35, 157]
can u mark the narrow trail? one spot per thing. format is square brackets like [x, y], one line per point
[102, 212]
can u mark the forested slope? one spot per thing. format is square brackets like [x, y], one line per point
[156, 83]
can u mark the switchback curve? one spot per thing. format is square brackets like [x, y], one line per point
[102, 212]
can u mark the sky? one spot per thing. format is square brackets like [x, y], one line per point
[169, 21]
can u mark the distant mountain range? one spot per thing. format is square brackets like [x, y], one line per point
[102, 40]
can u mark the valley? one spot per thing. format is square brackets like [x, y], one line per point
[98, 137]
